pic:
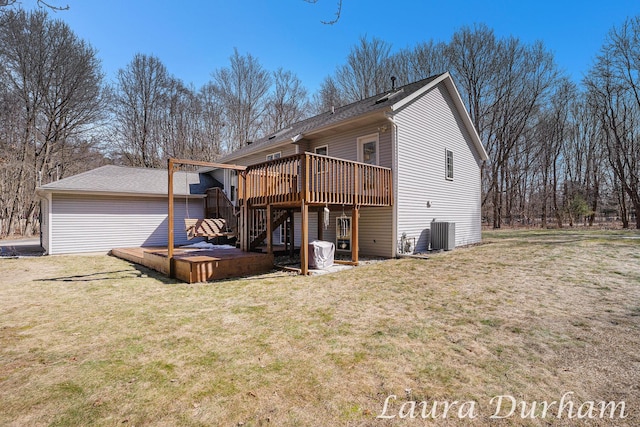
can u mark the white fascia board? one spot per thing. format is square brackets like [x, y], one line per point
[462, 110]
[258, 148]
[404, 101]
[42, 192]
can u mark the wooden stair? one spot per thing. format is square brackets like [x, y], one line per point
[260, 232]
[218, 205]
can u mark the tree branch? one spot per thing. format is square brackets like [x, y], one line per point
[337, 15]
[41, 3]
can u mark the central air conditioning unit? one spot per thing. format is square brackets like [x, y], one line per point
[443, 235]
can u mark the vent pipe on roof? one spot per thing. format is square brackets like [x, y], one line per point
[393, 82]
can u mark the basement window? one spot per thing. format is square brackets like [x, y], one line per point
[449, 164]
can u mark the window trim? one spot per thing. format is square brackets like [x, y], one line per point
[279, 153]
[374, 137]
[281, 230]
[315, 150]
[448, 164]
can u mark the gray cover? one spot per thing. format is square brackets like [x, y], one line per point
[321, 254]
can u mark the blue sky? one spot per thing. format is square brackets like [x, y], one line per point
[194, 37]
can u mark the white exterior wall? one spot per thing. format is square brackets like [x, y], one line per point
[427, 128]
[261, 156]
[376, 231]
[99, 223]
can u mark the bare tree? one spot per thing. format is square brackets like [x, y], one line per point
[337, 13]
[550, 135]
[41, 3]
[288, 102]
[584, 153]
[211, 123]
[367, 70]
[426, 59]
[242, 88]
[140, 95]
[328, 96]
[503, 82]
[476, 60]
[52, 81]
[614, 91]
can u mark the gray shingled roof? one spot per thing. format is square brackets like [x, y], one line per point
[121, 179]
[328, 118]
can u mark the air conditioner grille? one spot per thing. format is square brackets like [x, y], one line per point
[443, 235]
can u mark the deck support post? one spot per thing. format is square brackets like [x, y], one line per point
[304, 217]
[304, 239]
[355, 214]
[170, 215]
[243, 227]
[171, 163]
[269, 230]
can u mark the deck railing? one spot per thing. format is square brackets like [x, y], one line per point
[317, 179]
[218, 205]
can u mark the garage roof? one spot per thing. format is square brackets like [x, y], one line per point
[122, 179]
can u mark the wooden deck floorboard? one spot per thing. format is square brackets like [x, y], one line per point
[199, 265]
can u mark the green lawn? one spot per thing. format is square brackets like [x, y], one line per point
[93, 340]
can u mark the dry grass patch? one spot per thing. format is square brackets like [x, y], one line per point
[95, 340]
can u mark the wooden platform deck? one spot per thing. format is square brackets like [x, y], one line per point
[199, 265]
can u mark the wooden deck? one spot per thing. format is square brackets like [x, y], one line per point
[199, 265]
[315, 180]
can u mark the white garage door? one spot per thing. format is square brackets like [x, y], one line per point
[92, 224]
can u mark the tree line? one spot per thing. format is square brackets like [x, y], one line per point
[560, 153]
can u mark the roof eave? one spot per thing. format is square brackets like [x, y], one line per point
[379, 112]
[448, 81]
[286, 141]
[41, 191]
[236, 155]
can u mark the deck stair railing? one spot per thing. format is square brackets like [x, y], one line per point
[218, 205]
[258, 225]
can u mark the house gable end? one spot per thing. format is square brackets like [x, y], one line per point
[431, 131]
[457, 104]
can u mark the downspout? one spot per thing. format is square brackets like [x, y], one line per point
[394, 172]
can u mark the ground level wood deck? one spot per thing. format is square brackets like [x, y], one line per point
[199, 265]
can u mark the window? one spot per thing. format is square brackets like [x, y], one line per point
[231, 184]
[283, 230]
[274, 156]
[368, 149]
[449, 164]
[323, 150]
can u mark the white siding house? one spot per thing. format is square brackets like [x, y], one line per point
[113, 207]
[420, 130]
[430, 129]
